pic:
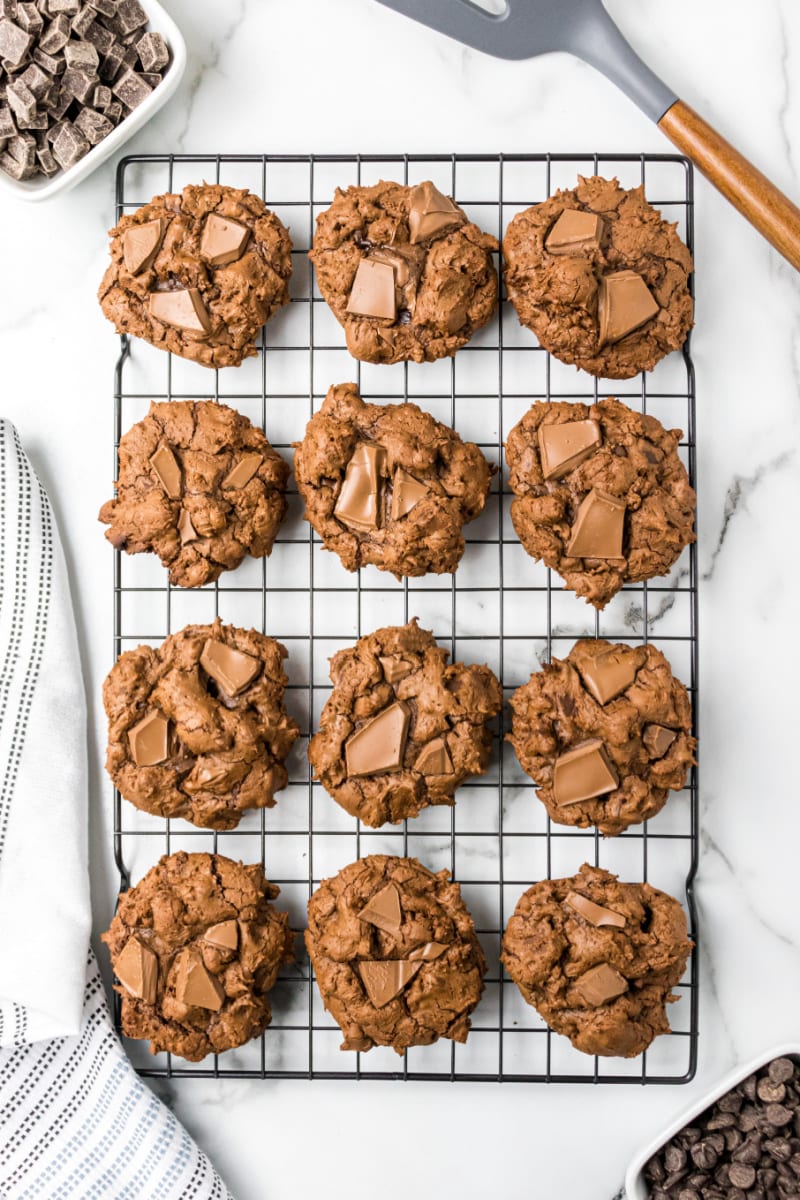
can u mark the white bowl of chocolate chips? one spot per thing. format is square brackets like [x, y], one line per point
[740, 1140]
[77, 79]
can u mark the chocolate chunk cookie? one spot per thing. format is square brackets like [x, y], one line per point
[389, 485]
[197, 728]
[598, 959]
[198, 485]
[402, 729]
[604, 733]
[600, 278]
[198, 273]
[405, 272]
[602, 496]
[196, 947]
[395, 954]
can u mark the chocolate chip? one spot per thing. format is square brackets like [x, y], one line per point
[781, 1070]
[749, 1151]
[704, 1155]
[674, 1158]
[778, 1115]
[779, 1148]
[742, 1175]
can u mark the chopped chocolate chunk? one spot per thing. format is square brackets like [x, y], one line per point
[130, 15]
[186, 530]
[131, 89]
[102, 96]
[79, 83]
[13, 167]
[598, 528]
[243, 471]
[151, 78]
[7, 125]
[607, 675]
[37, 81]
[565, 446]
[378, 746]
[47, 164]
[657, 739]
[224, 935]
[167, 470]
[93, 125]
[624, 303]
[433, 758]
[395, 669]
[373, 291]
[222, 241]
[21, 101]
[107, 7]
[100, 37]
[48, 62]
[14, 42]
[69, 146]
[406, 493]
[582, 773]
[136, 968]
[82, 23]
[575, 232]
[149, 740]
[383, 910]
[358, 502]
[22, 147]
[141, 243]
[55, 36]
[69, 8]
[114, 112]
[82, 55]
[595, 914]
[29, 18]
[182, 309]
[385, 980]
[427, 953]
[111, 65]
[195, 986]
[600, 984]
[231, 669]
[153, 52]
[57, 106]
[431, 214]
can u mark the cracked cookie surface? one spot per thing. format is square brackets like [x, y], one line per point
[196, 947]
[555, 282]
[217, 262]
[395, 954]
[609, 717]
[598, 959]
[404, 271]
[197, 727]
[564, 457]
[200, 487]
[388, 484]
[402, 729]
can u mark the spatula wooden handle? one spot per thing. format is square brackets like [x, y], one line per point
[765, 206]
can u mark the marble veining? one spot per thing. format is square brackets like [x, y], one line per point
[322, 76]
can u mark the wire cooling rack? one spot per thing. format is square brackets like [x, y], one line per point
[500, 607]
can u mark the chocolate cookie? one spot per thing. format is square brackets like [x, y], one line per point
[198, 485]
[395, 954]
[402, 729]
[389, 485]
[602, 496]
[405, 272]
[600, 278]
[196, 948]
[604, 733]
[198, 273]
[598, 959]
[197, 728]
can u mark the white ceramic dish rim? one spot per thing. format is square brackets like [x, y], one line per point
[35, 190]
[635, 1186]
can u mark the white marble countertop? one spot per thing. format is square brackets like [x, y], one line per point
[313, 75]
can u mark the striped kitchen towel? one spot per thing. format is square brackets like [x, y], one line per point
[76, 1122]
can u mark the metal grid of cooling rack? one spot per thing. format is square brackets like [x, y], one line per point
[500, 607]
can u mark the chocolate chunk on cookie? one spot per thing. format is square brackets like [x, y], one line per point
[395, 954]
[198, 273]
[197, 727]
[198, 485]
[388, 484]
[602, 496]
[600, 278]
[405, 272]
[604, 733]
[196, 947]
[402, 729]
[598, 959]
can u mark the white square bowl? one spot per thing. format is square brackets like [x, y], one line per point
[636, 1187]
[43, 189]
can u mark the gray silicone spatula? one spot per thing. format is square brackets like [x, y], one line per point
[583, 27]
